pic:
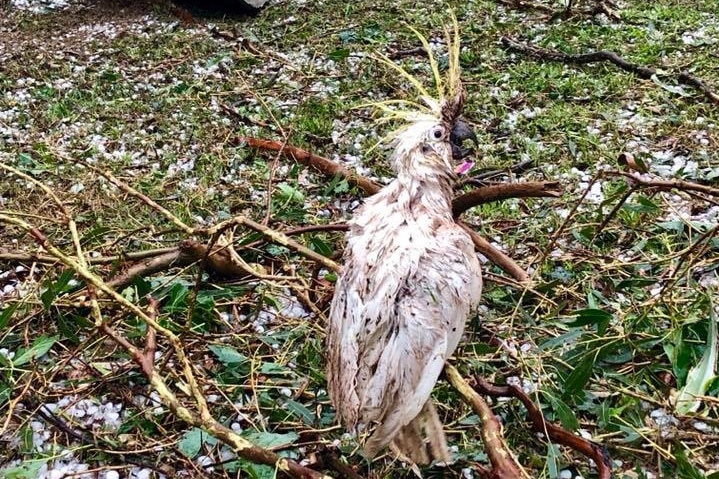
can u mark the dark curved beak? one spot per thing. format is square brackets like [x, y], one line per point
[459, 134]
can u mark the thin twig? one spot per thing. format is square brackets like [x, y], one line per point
[664, 185]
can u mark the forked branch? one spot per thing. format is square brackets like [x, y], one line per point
[504, 465]
[592, 450]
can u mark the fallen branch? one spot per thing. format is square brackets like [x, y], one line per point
[188, 252]
[641, 71]
[496, 256]
[483, 175]
[275, 236]
[503, 191]
[665, 185]
[319, 163]
[410, 52]
[47, 259]
[504, 465]
[592, 450]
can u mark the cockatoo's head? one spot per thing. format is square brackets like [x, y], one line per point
[433, 144]
[431, 141]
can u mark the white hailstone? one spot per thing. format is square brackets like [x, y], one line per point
[6, 353]
[226, 455]
[286, 392]
[700, 426]
[112, 474]
[212, 398]
[467, 473]
[565, 474]
[205, 462]
[143, 473]
[235, 426]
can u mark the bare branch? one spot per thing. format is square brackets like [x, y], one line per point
[664, 185]
[504, 465]
[641, 71]
[496, 256]
[596, 452]
[319, 163]
[503, 191]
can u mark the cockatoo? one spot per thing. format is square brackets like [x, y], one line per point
[410, 279]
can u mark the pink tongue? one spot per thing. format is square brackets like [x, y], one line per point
[464, 167]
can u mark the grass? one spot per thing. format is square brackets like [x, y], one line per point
[621, 319]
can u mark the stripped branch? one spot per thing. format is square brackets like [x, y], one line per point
[665, 185]
[496, 256]
[323, 165]
[592, 450]
[503, 191]
[473, 198]
[504, 465]
[641, 71]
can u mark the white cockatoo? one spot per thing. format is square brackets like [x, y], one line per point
[410, 280]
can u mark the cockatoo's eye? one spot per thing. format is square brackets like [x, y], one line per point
[437, 133]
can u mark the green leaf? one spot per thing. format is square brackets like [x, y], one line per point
[39, 347]
[339, 54]
[562, 340]
[701, 375]
[579, 377]
[553, 461]
[191, 442]
[290, 194]
[685, 469]
[56, 287]
[6, 314]
[564, 412]
[592, 316]
[177, 298]
[300, 410]
[227, 355]
[25, 470]
[271, 440]
[348, 36]
[274, 369]
[320, 246]
[258, 471]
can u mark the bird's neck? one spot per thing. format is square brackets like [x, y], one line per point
[425, 194]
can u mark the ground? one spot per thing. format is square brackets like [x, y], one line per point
[617, 317]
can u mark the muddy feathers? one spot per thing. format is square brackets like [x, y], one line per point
[410, 280]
